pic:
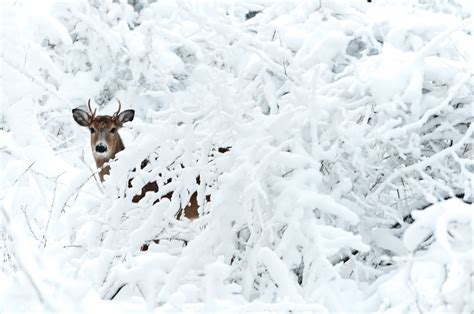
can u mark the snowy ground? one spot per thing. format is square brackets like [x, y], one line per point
[346, 121]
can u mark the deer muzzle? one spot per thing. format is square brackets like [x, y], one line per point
[101, 148]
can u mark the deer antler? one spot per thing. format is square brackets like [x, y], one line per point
[90, 109]
[118, 111]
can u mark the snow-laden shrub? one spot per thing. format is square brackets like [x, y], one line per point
[437, 274]
[342, 118]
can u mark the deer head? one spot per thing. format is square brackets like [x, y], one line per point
[105, 139]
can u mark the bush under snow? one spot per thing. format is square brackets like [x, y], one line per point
[345, 121]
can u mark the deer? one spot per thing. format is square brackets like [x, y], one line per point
[105, 138]
[106, 142]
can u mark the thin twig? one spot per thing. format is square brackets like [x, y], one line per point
[23, 173]
[78, 190]
[20, 263]
[23, 210]
[92, 171]
[51, 209]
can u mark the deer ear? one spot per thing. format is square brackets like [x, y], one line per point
[81, 117]
[125, 116]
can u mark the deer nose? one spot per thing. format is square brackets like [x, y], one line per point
[101, 148]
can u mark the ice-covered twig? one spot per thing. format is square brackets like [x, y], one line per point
[423, 164]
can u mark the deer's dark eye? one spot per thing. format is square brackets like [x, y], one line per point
[92, 130]
[113, 130]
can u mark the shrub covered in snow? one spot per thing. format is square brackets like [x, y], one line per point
[345, 121]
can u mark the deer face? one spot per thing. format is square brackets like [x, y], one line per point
[105, 139]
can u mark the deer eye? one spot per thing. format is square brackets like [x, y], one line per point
[113, 130]
[92, 130]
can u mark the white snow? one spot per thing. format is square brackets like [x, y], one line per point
[350, 132]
